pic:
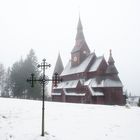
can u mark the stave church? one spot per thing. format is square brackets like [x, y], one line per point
[87, 78]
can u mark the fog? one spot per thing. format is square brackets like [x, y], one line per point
[49, 27]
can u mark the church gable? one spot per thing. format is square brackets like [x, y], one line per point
[68, 70]
[96, 64]
[101, 70]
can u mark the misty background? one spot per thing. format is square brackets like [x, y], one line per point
[49, 27]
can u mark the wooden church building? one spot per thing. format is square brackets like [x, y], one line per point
[87, 78]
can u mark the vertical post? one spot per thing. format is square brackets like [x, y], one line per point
[43, 79]
[43, 108]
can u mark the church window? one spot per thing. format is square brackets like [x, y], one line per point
[75, 59]
[84, 52]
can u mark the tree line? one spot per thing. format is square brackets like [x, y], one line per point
[13, 81]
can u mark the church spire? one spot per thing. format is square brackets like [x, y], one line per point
[79, 35]
[111, 60]
[111, 69]
[80, 51]
[59, 65]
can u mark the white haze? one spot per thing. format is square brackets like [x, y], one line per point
[49, 27]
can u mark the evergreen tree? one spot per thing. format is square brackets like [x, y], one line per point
[139, 102]
[16, 77]
[30, 66]
[7, 86]
[20, 72]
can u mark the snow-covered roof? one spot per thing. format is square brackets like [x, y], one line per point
[74, 94]
[58, 66]
[78, 69]
[96, 64]
[56, 93]
[67, 84]
[95, 93]
[103, 83]
[111, 69]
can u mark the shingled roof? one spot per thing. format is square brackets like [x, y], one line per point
[104, 81]
[59, 65]
[78, 69]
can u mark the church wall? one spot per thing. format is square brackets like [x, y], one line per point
[91, 75]
[74, 99]
[83, 55]
[71, 90]
[114, 96]
[57, 98]
[111, 96]
[97, 99]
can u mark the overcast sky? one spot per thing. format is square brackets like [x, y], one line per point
[49, 27]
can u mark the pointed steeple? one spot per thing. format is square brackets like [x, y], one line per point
[79, 35]
[111, 60]
[80, 39]
[79, 26]
[81, 50]
[59, 65]
[111, 69]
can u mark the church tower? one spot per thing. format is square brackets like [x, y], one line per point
[81, 49]
[111, 69]
[59, 65]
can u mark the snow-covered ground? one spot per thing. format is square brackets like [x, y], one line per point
[21, 120]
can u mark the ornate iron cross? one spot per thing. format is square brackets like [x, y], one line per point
[44, 80]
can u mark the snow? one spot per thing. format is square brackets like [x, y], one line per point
[67, 84]
[74, 94]
[133, 100]
[83, 66]
[98, 94]
[95, 93]
[55, 93]
[104, 83]
[21, 119]
[112, 83]
[96, 64]
[78, 69]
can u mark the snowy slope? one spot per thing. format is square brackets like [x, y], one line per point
[21, 120]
